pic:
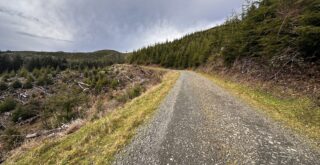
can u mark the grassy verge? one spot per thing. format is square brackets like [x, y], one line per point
[99, 141]
[301, 114]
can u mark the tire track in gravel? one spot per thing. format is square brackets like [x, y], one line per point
[200, 123]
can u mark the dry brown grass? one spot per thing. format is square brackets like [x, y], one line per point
[299, 113]
[100, 140]
[74, 126]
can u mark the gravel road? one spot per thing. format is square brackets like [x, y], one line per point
[200, 123]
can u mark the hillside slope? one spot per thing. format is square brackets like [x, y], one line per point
[270, 38]
[271, 30]
[98, 141]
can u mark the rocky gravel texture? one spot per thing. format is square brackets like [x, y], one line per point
[200, 123]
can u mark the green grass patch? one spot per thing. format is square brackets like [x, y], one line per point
[7, 105]
[299, 113]
[99, 141]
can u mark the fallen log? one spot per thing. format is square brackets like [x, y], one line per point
[33, 135]
[29, 121]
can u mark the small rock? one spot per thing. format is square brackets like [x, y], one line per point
[7, 113]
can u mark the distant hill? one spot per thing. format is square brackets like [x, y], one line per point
[15, 60]
[100, 55]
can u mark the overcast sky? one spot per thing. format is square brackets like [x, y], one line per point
[88, 25]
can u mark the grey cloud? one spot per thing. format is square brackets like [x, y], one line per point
[41, 37]
[108, 24]
[18, 14]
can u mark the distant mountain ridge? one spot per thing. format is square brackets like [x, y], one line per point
[15, 60]
[62, 53]
[99, 55]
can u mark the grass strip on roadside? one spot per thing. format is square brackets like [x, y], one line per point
[301, 113]
[99, 141]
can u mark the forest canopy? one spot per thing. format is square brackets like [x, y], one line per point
[14, 61]
[268, 29]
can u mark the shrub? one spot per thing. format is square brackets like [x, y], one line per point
[3, 86]
[16, 84]
[44, 80]
[12, 74]
[23, 112]
[62, 106]
[94, 71]
[122, 98]
[102, 82]
[58, 70]
[11, 139]
[7, 105]
[23, 72]
[135, 91]
[100, 106]
[27, 85]
[36, 73]
[114, 83]
[30, 78]
[41, 81]
[5, 76]
[131, 93]
[54, 73]
[86, 72]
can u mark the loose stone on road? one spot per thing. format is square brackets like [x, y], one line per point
[200, 123]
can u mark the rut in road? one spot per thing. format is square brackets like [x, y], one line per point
[200, 123]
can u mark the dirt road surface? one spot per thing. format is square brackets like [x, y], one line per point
[201, 123]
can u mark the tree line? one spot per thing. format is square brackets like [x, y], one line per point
[14, 61]
[268, 29]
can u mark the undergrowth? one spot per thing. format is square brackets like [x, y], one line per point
[99, 141]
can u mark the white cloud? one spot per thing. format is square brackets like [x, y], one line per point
[84, 25]
[164, 31]
[34, 17]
